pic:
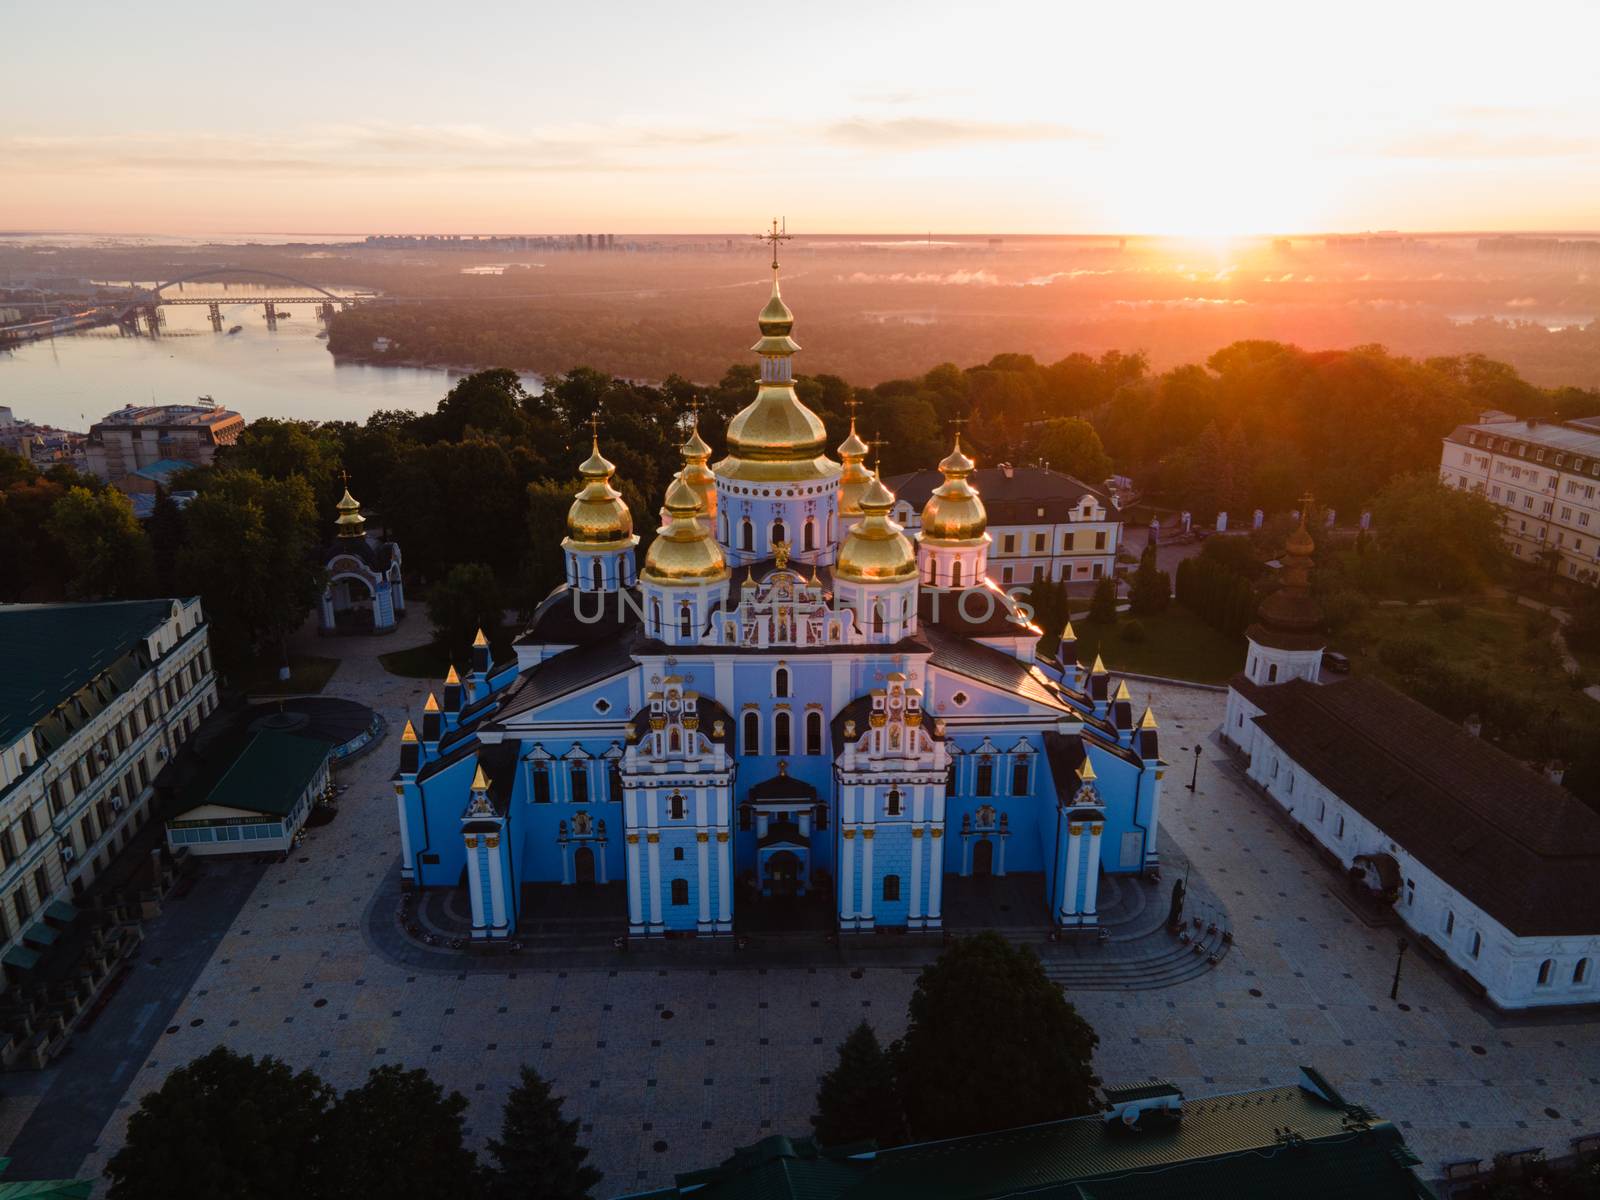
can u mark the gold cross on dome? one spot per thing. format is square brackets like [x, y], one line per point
[877, 444]
[777, 235]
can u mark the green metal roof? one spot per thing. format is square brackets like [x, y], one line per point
[1294, 1140]
[40, 934]
[60, 910]
[53, 651]
[44, 1189]
[21, 957]
[268, 776]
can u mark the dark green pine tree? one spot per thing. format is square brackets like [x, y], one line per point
[399, 1137]
[537, 1156]
[858, 1100]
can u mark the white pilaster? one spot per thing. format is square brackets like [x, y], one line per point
[724, 880]
[475, 882]
[497, 891]
[935, 874]
[1069, 891]
[703, 852]
[847, 873]
[653, 847]
[868, 884]
[1091, 882]
[407, 868]
[914, 914]
[635, 899]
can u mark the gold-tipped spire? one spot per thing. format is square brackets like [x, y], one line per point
[684, 551]
[1099, 667]
[1086, 772]
[409, 733]
[1066, 634]
[1122, 691]
[876, 549]
[451, 677]
[479, 782]
[432, 705]
[479, 640]
[1148, 721]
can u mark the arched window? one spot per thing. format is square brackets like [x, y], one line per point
[680, 891]
[597, 576]
[1272, 673]
[891, 803]
[747, 535]
[752, 732]
[891, 887]
[809, 535]
[1341, 827]
[655, 617]
[813, 732]
[1546, 969]
[1449, 923]
[1580, 972]
[780, 733]
[685, 621]
[675, 804]
[877, 617]
[780, 683]
[722, 528]
[955, 573]
[1477, 943]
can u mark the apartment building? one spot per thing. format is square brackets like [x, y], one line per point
[1044, 525]
[136, 437]
[1545, 477]
[95, 698]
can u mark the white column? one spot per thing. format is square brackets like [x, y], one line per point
[868, 886]
[474, 882]
[327, 609]
[635, 900]
[406, 867]
[1000, 868]
[703, 851]
[917, 839]
[935, 874]
[600, 862]
[1069, 891]
[847, 868]
[497, 887]
[724, 879]
[966, 855]
[1091, 883]
[653, 843]
[566, 862]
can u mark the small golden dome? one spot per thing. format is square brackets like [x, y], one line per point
[877, 549]
[776, 320]
[855, 477]
[853, 447]
[955, 512]
[598, 518]
[350, 523]
[684, 551]
[695, 472]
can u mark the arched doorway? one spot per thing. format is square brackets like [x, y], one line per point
[583, 865]
[783, 873]
[983, 857]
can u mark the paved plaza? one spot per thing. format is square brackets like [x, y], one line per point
[670, 1064]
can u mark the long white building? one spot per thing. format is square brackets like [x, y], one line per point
[1545, 476]
[93, 701]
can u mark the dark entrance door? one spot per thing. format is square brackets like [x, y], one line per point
[783, 873]
[983, 857]
[583, 865]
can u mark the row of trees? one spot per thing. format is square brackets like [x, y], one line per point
[233, 1125]
[1215, 594]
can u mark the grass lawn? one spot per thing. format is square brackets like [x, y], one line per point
[308, 674]
[429, 661]
[1176, 644]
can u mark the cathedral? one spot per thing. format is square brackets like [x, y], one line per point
[788, 704]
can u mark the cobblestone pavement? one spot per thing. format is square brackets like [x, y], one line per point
[670, 1068]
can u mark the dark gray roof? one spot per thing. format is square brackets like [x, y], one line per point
[568, 618]
[1011, 496]
[569, 671]
[985, 664]
[369, 548]
[1523, 849]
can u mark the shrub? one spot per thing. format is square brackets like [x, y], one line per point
[1132, 632]
[1344, 606]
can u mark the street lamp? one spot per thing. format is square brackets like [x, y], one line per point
[1195, 776]
[1394, 990]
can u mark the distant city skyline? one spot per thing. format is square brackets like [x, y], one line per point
[1182, 119]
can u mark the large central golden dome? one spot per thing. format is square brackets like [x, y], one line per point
[776, 438]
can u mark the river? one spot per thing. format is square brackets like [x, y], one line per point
[75, 380]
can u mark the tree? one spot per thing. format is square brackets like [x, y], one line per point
[1103, 604]
[991, 1043]
[105, 547]
[463, 602]
[1072, 446]
[1435, 537]
[1151, 587]
[399, 1137]
[857, 1100]
[537, 1156]
[165, 529]
[249, 551]
[224, 1125]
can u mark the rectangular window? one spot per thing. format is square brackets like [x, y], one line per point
[1005, 574]
[58, 799]
[541, 783]
[1100, 541]
[30, 829]
[8, 848]
[1038, 543]
[614, 782]
[1019, 777]
[985, 780]
[580, 783]
[41, 883]
[1008, 544]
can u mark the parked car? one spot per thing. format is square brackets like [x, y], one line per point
[1333, 661]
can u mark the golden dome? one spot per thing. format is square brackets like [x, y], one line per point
[695, 472]
[855, 477]
[350, 522]
[776, 438]
[955, 512]
[1300, 543]
[877, 549]
[684, 551]
[598, 519]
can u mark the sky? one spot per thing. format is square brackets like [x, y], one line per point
[1117, 116]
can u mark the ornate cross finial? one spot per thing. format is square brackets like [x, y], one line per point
[344, 477]
[877, 444]
[777, 235]
[594, 426]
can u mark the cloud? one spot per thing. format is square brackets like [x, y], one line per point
[1469, 144]
[915, 133]
[978, 278]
